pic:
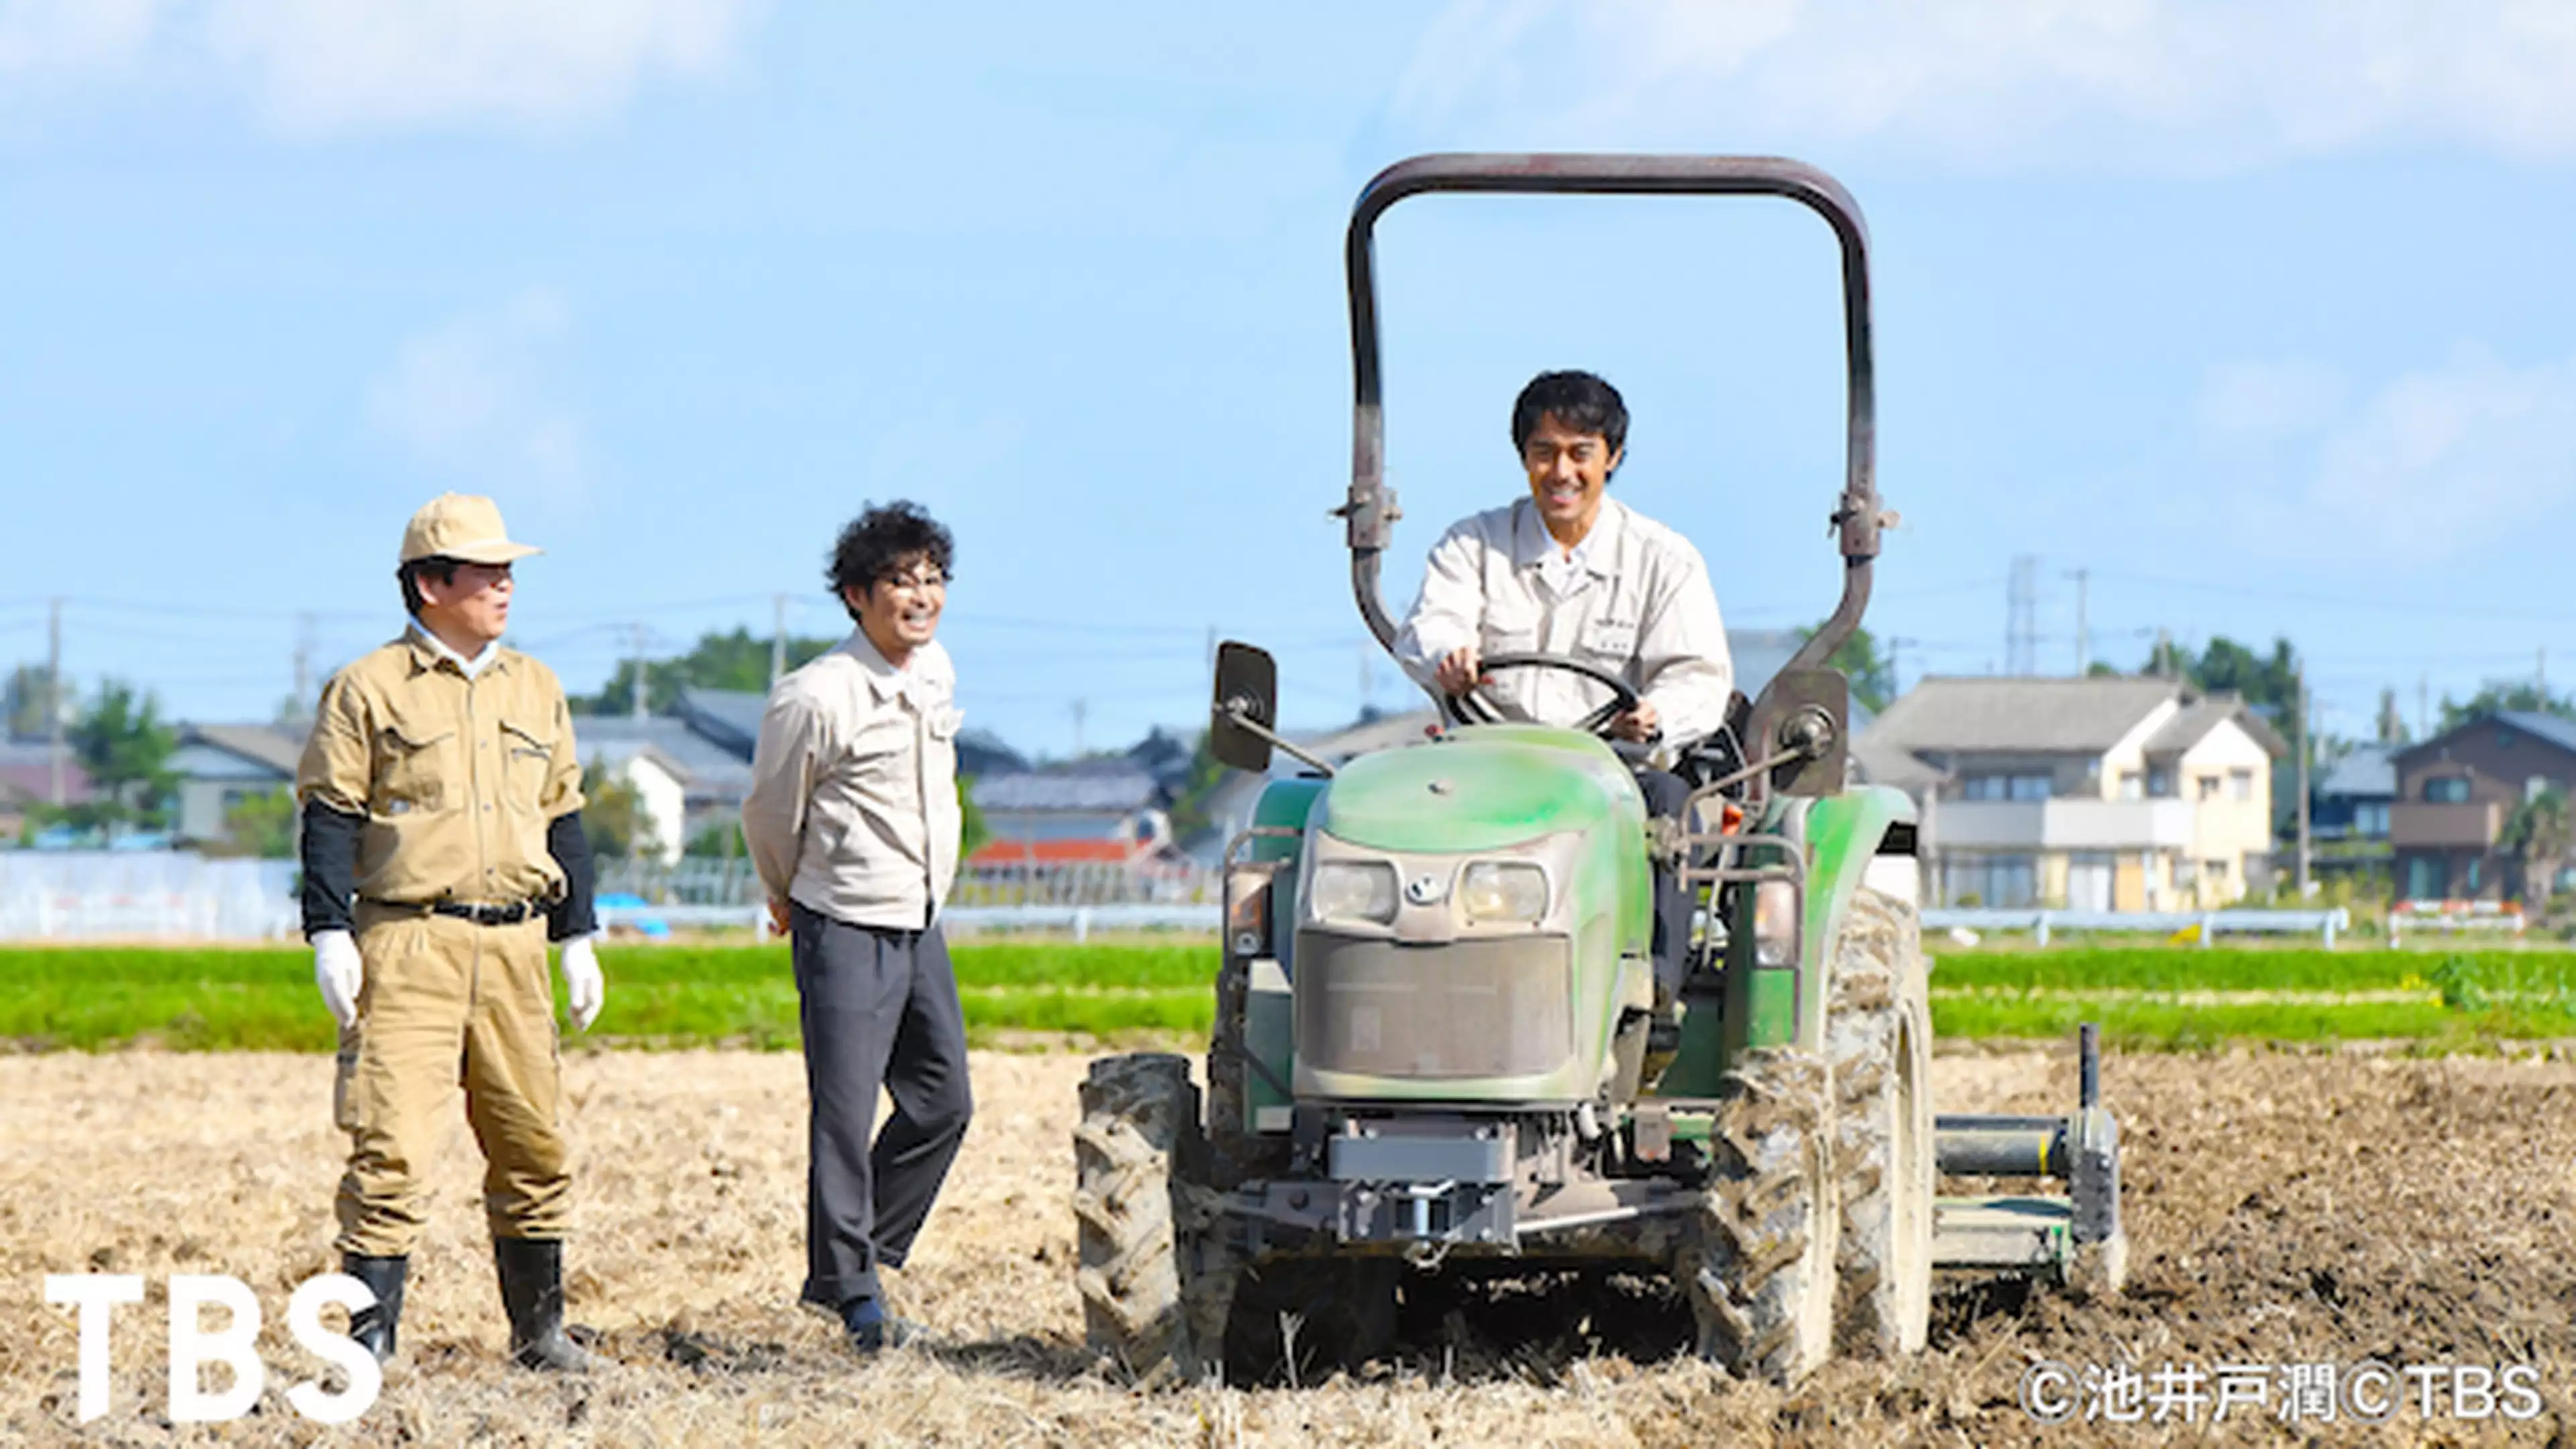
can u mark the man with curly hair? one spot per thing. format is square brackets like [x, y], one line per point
[853, 822]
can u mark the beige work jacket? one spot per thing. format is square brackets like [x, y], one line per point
[1634, 599]
[853, 806]
[456, 777]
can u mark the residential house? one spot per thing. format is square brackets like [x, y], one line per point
[2454, 794]
[703, 747]
[220, 765]
[2100, 793]
[661, 788]
[2348, 814]
[27, 781]
[2353, 799]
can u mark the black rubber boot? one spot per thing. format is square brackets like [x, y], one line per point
[532, 1294]
[374, 1327]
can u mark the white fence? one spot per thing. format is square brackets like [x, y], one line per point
[88, 895]
[956, 920]
[2242, 922]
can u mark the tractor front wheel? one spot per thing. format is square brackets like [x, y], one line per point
[1758, 1265]
[1138, 1155]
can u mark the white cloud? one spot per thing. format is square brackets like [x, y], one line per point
[2268, 399]
[468, 397]
[315, 67]
[37, 36]
[2448, 457]
[2166, 84]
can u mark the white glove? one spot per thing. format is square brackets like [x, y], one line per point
[584, 990]
[339, 972]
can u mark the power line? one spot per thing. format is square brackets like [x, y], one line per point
[2341, 601]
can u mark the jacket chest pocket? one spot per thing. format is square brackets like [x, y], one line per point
[1511, 627]
[1610, 638]
[414, 771]
[526, 761]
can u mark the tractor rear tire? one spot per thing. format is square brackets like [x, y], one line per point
[1758, 1264]
[1139, 1213]
[1878, 1034]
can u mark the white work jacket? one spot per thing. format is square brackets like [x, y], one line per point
[853, 806]
[1632, 598]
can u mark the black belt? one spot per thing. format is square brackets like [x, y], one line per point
[481, 915]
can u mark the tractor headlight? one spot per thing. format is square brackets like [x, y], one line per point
[1353, 890]
[1497, 891]
[1775, 923]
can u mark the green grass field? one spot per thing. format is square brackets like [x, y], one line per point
[2179, 998]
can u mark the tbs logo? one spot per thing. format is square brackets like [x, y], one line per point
[235, 1345]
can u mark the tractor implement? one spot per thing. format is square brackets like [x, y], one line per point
[2077, 1238]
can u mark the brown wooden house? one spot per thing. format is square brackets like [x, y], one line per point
[2456, 790]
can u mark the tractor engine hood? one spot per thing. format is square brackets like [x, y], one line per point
[1486, 787]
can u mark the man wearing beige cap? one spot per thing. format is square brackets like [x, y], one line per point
[442, 849]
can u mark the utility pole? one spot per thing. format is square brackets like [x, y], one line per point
[2083, 634]
[303, 709]
[778, 641]
[2302, 722]
[54, 699]
[2164, 654]
[1079, 707]
[639, 671]
[2424, 706]
[2021, 617]
[2543, 676]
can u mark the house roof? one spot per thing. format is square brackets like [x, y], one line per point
[1383, 732]
[27, 773]
[1059, 852]
[279, 747]
[618, 752]
[2547, 728]
[1946, 713]
[729, 717]
[706, 767]
[2556, 729]
[981, 752]
[2198, 717]
[1111, 785]
[2364, 771]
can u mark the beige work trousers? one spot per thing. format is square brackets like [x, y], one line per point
[449, 1004]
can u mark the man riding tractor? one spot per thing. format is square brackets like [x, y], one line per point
[1571, 572]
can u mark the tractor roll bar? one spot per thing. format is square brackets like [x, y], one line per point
[1371, 509]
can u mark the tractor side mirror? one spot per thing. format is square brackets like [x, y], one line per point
[1247, 691]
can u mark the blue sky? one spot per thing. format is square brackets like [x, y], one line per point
[2257, 317]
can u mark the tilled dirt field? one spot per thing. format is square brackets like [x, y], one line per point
[2285, 1209]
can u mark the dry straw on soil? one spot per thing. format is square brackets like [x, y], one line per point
[2285, 1208]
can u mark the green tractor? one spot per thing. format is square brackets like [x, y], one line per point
[1437, 1045]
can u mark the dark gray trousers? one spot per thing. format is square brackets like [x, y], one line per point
[878, 1007]
[1666, 793]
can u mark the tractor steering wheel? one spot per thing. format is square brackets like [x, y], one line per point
[1473, 708]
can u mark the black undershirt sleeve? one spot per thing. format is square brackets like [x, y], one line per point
[330, 852]
[574, 915]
